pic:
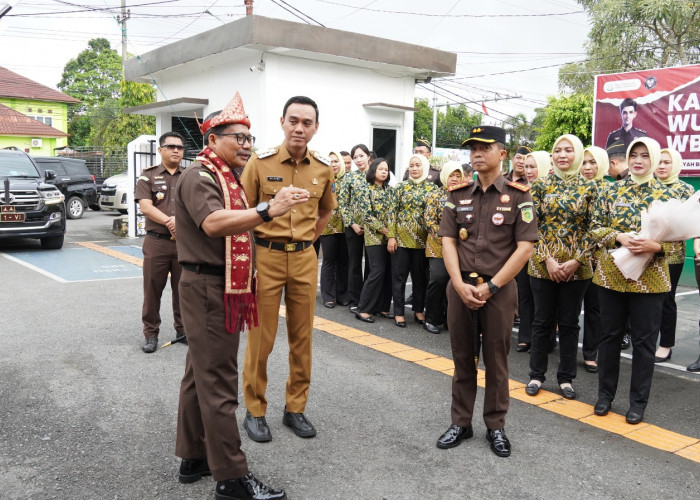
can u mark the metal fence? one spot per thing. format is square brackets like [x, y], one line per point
[102, 162]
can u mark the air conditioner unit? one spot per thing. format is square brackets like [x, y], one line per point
[36, 143]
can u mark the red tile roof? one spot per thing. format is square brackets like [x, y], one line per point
[18, 86]
[15, 123]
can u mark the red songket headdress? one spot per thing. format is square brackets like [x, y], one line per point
[240, 303]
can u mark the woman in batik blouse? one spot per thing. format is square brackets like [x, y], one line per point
[374, 206]
[451, 174]
[667, 172]
[616, 221]
[334, 270]
[560, 268]
[407, 235]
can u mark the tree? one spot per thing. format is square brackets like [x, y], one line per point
[628, 35]
[453, 126]
[126, 127]
[422, 120]
[520, 132]
[566, 115]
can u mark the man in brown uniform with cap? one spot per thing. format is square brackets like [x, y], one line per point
[488, 228]
[517, 174]
[218, 289]
[155, 193]
[286, 261]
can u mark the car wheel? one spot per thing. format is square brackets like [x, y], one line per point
[75, 207]
[52, 243]
[122, 211]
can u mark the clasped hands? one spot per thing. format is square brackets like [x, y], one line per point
[474, 297]
[637, 244]
[561, 272]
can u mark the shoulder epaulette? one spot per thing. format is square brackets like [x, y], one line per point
[149, 168]
[520, 187]
[460, 186]
[267, 152]
[326, 161]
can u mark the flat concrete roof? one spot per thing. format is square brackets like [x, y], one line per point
[295, 39]
[179, 106]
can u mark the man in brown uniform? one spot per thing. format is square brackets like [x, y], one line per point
[488, 228]
[286, 261]
[155, 193]
[217, 288]
[517, 174]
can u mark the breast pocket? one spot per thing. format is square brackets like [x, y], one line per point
[502, 227]
[310, 208]
[270, 191]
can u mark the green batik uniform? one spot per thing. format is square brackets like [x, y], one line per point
[563, 218]
[618, 210]
[434, 208]
[353, 185]
[335, 223]
[408, 224]
[374, 205]
[681, 191]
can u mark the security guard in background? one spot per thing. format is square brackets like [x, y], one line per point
[286, 262]
[155, 192]
[488, 228]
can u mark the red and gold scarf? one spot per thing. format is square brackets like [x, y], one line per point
[240, 303]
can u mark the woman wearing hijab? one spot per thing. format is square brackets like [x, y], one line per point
[560, 268]
[375, 205]
[334, 270]
[407, 235]
[670, 164]
[616, 220]
[594, 167]
[451, 174]
[536, 165]
[353, 185]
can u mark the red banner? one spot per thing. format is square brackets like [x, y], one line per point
[663, 104]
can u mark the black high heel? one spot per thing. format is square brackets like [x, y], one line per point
[359, 316]
[418, 320]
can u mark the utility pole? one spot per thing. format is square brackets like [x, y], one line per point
[121, 19]
[434, 117]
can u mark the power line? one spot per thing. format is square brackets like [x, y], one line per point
[300, 12]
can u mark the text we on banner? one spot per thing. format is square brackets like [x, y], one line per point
[663, 104]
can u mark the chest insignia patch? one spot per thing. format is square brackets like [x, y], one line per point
[160, 195]
[164, 187]
[449, 205]
[463, 234]
[470, 218]
[527, 214]
[505, 198]
[497, 219]
[464, 202]
[314, 181]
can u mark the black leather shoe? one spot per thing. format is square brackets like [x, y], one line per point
[344, 303]
[430, 328]
[353, 309]
[590, 368]
[400, 324]
[418, 320]
[454, 436]
[532, 389]
[329, 305]
[522, 347]
[386, 315]
[150, 345]
[299, 424]
[568, 392]
[499, 442]
[694, 367]
[368, 319]
[181, 338]
[626, 342]
[658, 359]
[192, 469]
[634, 416]
[602, 408]
[257, 428]
[247, 487]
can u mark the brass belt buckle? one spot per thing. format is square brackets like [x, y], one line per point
[290, 247]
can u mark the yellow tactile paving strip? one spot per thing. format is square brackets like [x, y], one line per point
[650, 435]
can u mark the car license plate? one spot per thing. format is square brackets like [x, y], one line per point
[8, 214]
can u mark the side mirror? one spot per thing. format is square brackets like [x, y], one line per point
[49, 175]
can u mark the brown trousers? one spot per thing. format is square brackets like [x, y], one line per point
[159, 259]
[296, 273]
[496, 323]
[206, 420]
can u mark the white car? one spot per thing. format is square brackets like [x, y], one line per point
[114, 193]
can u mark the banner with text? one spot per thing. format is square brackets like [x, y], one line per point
[661, 103]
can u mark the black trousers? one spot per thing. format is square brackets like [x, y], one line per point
[644, 313]
[403, 261]
[334, 270]
[556, 304]
[669, 311]
[436, 296]
[376, 292]
[356, 245]
[591, 323]
[526, 306]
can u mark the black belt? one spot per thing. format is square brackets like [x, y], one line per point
[159, 235]
[295, 246]
[466, 278]
[205, 269]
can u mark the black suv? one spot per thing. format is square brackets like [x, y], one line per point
[74, 180]
[29, 207]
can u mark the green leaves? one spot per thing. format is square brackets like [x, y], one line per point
[566, 115]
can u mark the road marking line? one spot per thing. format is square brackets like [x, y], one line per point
[650, 435]
[34, 268]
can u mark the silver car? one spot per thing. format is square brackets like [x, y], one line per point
[114, 193]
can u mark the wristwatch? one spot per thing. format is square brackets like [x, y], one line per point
[262, 209]
[493, 288]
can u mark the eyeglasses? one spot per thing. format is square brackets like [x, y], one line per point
[176, 147]
[241, 138]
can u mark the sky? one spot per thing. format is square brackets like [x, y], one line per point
[505, 48]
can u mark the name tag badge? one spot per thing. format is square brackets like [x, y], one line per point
[158, 182]
[620, 204]
[551, 195]
[465, 209]
[275, 179]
